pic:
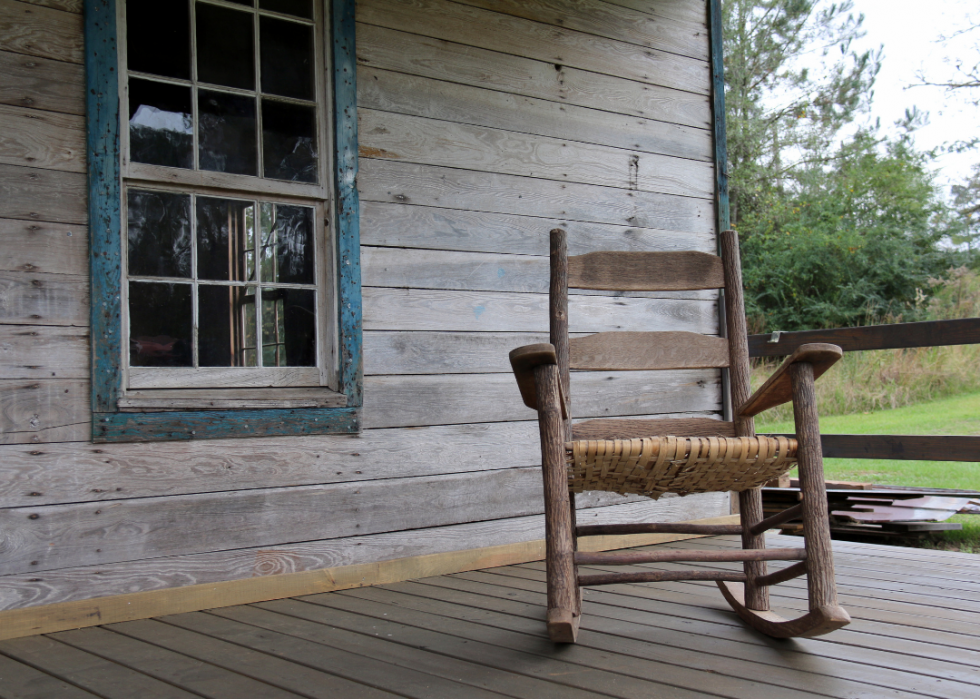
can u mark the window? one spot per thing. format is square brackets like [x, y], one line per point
[225, 290]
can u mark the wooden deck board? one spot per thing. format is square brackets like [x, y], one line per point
[652, 650]
[90, 672]
[618, 603]
[24, 682]
[720, 627]
[481, 635]
[726, 642]
[169, 666]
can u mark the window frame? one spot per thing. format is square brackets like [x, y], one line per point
[340, 411]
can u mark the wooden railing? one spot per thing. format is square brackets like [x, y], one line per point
[874, 337]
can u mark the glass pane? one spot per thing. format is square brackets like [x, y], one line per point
[161, 125]
[287, 244]
[159, 234]
[267, 253]
[289, 140]
[300, 8]
[287, 58]
[251, 356]
[158, 37]
[226, 318]
[225, 228]
[225, 47]
[159, 324]
[227, 132]
[288, 327]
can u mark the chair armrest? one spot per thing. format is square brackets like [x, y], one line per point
[523, 360]
[778, 389]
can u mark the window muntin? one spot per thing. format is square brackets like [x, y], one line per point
[227, 267]
[225, 87]
[221, 288]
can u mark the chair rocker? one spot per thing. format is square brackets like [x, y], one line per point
[652, 457]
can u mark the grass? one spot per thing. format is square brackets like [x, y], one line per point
[879, 380]
[958, 415]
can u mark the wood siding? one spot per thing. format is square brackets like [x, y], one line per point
[483, 124]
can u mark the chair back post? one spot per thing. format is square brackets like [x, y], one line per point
[749, 501]
[558, 315]
[738, 339]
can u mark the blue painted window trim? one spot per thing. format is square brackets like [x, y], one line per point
[105, 259]
[718, 109]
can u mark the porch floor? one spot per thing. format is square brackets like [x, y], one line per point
[916, 632]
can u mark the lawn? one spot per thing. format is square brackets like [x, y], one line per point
[959, 415]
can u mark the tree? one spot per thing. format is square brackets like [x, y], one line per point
[964, 61]
[966, 199]
[782, 114]
[849, 245]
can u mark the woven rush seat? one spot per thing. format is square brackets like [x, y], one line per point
[653, 466]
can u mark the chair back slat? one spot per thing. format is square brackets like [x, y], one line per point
[638, 351]
[646, 271]
[635, 429]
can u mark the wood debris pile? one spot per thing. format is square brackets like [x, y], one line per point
[863, 509]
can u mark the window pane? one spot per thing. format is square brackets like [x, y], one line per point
[226, 318]
[251, 356]
[158, 37]
[227, 132]
[289, 140]
[159, 234]
[225, 231]
[287, 244]
[225, 47]
[161, 125]
[159, 324]
[300, 8]
[288, 327]
[287, 58]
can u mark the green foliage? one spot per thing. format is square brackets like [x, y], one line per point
[779, 110]
[848, 245]
[838, 227]
[966, 199]
[957, 296]
[887, 379]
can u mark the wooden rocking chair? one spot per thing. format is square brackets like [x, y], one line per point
[683, 456]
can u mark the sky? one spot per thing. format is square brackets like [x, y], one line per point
[910, 32]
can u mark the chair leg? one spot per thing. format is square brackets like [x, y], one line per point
[825, 614]
[750, 507]
[563, 597]
[574, 518]
[821, 585]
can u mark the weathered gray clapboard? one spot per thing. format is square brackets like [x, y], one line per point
[485, 123]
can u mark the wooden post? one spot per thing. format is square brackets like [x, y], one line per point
[749, 501]
[563, 603]
[738, 343]
[558, 317]
[816, 521]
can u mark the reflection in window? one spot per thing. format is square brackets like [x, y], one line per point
[159, 234]
[225, 238]
[159, 324]
[161, 125]
[288, 327]
[251, 64]
[251, 294]
[226, 132]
